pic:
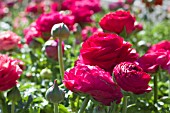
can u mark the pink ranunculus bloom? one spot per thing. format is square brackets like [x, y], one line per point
[163, 45]
[106, 50]
[117, 21]
[3, 9]
[131, 77]
[94, 81]
[30, 33]
[8, 40]
[88, 31]
[45, 22]
[82, 17]
[35, 8]
[51, 49]
[9, 72]
[54, 7]
[93, 5]
[116, 5]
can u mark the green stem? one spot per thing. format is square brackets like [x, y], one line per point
[155, 88]
[3, 103]
[169, 87]
[83, 107]
[56, 110]
[13, 107]
[124, 104]
[60, 57]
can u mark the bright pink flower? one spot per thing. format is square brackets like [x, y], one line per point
[54, 7]
[8, 40]
[94, 81]
[51, 49]
[9, 72]
[131, 77]
[93, 5]
[82, 17]
[30, 33]
[106, 51]
[116, 5]
[138, 27]
[117, 21]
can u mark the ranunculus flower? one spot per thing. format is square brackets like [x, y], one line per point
[150, 62]
[138, 26]
[116, 5]
[117, 21]
[163, 45]
[93, 5]
[3, 9]
[106, 50]
[9, 72]
[46, 21]
[82, 17]
[51, 49]
[131, 77]
[94, 81]
[8, 40]
[30, 33]
[35, 8]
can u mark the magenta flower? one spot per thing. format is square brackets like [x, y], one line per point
[9, 72]
[106, 50]
[94, 81]
[131, 77]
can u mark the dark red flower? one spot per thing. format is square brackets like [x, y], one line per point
[9, 72]
[94, 81]
[106, 51]
[117, 21]
[131, 77]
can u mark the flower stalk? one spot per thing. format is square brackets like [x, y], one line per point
[60, 57]
[124, 104]
[155, 88]
[56, 110]
[84, 104]
[13, 107]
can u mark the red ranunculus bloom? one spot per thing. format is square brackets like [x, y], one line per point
[117, 21]
[46, 21]
[51, 49]
[35, 8]
[9, 72]
[131, 77]
[94, 81]
[163, 45]
[8, 40]
[106, 50]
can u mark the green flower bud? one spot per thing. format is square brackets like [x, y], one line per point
[46, 73]
[14, 94]
[60, 31]
[54, 94]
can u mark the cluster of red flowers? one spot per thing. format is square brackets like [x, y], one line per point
[103, 54]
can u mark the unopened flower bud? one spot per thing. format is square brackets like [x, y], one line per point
[60, 30]
[14, 94]
[46, 73]
[54, 94]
